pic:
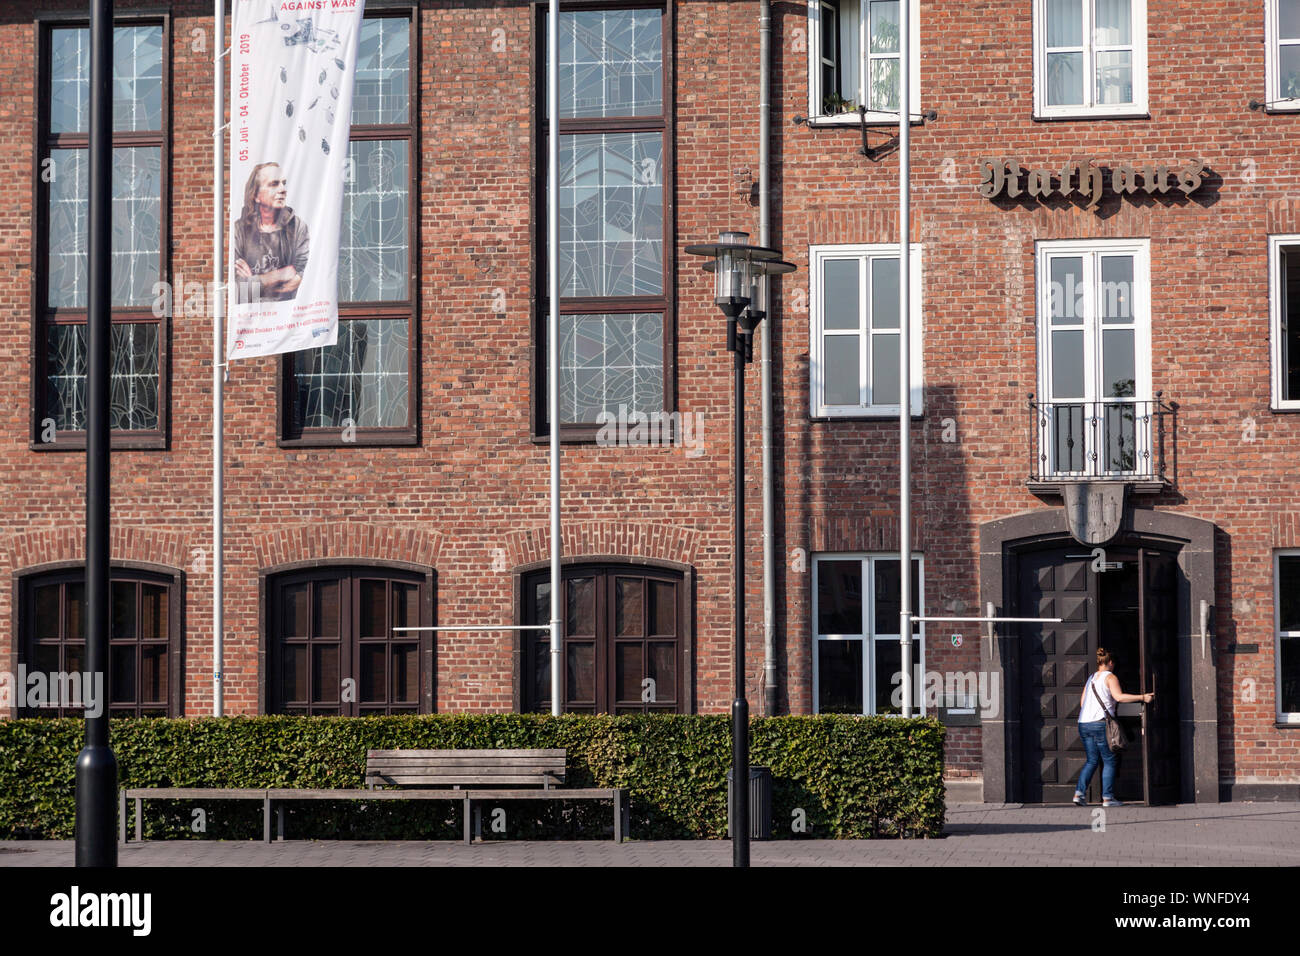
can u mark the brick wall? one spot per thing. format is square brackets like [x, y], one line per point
[1210, 338]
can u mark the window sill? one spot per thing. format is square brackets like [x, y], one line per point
[581, 435]
[1285, 408]
[1138, 113]
[145, 441]
[334, 439]
[852, 120]
[1281, 105]
[1288, 724]
[886, 413]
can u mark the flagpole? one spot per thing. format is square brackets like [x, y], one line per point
[218, 359]
[905, 351]
[553, 336]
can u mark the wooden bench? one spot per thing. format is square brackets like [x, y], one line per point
[465, 776]
[471, 775]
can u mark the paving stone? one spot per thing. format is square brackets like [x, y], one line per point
[1238, 834]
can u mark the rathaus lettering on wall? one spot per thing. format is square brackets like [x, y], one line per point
[1088, 180]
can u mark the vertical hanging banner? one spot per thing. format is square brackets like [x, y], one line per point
[292, 66]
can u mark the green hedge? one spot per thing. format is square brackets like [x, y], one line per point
[852, 777]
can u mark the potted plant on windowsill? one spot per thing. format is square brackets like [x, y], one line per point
[833, 104]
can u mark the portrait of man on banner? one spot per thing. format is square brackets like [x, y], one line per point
[271, 242]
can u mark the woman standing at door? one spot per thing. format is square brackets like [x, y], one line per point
[1100, 695]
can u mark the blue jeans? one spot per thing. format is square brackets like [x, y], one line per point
[1094, 742]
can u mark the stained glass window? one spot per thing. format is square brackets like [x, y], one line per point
[363, 381]
[613, 230]
[611, 214]
[611, 63]
[136, 254]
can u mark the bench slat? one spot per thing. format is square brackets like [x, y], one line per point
[463, 779]
[520, 765]
[587, 794]
[350, 794]
[450, 772]
[193, 793]
[470, 761]
[530, 754]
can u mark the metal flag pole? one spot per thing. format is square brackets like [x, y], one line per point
[553, 335]
[905, 350]
[218, 360]
[96, 769]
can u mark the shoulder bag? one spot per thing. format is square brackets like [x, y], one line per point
[1116, 738]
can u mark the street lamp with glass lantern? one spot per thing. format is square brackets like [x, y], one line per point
[740, 274]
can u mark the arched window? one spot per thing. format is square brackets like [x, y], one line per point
[145, 663]
[626, 633]
[332, 645]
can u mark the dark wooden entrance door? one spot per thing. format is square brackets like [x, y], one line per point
[1130, 608]
[1161, 738]
[1120, 632]
[1055, 661]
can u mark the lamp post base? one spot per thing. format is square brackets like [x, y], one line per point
[96, 796]
[740, 782]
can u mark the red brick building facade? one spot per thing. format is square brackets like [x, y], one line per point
[406, 482]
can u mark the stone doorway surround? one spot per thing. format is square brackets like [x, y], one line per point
[1001, 542]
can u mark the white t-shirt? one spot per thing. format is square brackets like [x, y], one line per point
[1091, 711]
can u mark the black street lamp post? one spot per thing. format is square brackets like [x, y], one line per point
[96, 775]
[740, 272]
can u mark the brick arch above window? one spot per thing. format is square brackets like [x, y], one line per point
[29, 549]
[631, 540]
[355, 541]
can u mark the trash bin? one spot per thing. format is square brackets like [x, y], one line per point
[760, 803]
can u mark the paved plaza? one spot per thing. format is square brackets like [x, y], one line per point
[1230, 834]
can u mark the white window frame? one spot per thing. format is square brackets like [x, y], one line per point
[1273, 41]
[1283, 717]
[1090, 109]
[817, 256]
[1277, 320]
[868, 637]
[1091, 251]
[849, 11]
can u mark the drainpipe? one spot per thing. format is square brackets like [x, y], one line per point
[765, 362]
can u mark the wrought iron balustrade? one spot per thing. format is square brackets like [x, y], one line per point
[1114, 438]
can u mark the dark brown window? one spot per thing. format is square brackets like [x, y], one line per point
[616, 217]
[138, 414]
[144, 642]
[364, 388]
[624, 638]
[333, 646]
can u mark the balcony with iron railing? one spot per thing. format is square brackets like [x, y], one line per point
[1125, 440]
